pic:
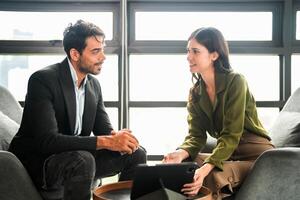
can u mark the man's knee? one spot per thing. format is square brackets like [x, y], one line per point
[85, 164]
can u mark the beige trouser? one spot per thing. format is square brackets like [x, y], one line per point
[224, 183]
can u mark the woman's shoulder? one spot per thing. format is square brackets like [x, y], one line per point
[235, 77]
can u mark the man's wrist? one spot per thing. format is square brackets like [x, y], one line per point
[103, 142]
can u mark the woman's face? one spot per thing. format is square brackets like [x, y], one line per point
[199, 58]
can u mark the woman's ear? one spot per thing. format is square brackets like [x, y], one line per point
[74, 54]
[215, 55]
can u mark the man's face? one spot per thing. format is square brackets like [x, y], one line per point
[92, 57]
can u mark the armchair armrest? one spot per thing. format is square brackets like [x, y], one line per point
[15, 183]
[275, 175]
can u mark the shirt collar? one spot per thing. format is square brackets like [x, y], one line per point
[220, 80]
[74, 75]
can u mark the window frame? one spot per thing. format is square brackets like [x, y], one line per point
[46, 47]
[283, 43]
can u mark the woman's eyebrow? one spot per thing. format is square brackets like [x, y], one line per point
[193, 48]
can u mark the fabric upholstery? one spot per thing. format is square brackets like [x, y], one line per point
[284, 125]
[9, 105]
[275, 176]
[284, 131]
[276, 173]
[292, 105]
[15, 183]
[8, 128]
[293, 140]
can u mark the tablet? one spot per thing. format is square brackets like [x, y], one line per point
[149, 178]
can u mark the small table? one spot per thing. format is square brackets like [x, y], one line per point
[121, 191]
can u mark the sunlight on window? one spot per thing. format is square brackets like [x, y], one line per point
[261, 73]
[298, 26]
[19, 68]
[108, 78]
[162, 130]
[179, 25]
[167, 77]
[159, 130]
[16, 70]
[295, 72]
[113, 116]
[159, 78]
[50, 25]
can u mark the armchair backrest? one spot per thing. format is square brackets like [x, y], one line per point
[9, 105]
[293, 103]
[283, 132]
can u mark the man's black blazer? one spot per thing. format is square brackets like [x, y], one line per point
[48, 121]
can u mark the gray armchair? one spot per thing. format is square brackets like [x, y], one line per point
[15, 183]
[276, 174]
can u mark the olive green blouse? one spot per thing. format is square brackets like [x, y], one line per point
[233, 113]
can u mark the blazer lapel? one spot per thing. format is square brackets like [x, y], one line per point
[90, 108]
[205, 102]
[220, 79]
[206, 106]
[69, 93]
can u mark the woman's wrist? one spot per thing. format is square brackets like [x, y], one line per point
[183, 154]
[206, 168]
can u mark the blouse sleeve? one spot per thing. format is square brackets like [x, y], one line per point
[196, 138]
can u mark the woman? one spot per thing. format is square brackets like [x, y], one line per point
[221, 105]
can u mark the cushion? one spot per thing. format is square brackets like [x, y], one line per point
[9, 105]
[8, 128]
[293, 140]
[284, 130]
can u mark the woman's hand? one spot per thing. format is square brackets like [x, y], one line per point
[176, 157]
[192, 189]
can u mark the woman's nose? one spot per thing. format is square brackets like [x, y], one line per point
[188, 56]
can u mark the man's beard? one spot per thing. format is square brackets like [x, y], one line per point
[88, 69]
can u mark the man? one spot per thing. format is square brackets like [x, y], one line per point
[63, 106]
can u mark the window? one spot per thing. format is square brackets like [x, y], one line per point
[148, 91]
[298, 26]
[295, 72]
[16, 70]
[179, 25]
[159, 77]
[255, 68]
[50, 26]
[27, 44]
[160, 130]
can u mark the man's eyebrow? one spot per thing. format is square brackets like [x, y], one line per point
[97, 49]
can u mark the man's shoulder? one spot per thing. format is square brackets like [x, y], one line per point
[94, 83]
[49, 71]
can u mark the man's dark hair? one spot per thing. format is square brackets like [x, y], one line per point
[75, 35]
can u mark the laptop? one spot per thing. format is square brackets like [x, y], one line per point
[150, 178]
